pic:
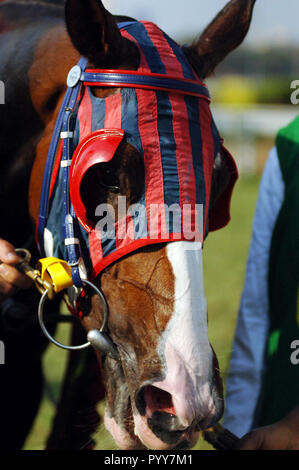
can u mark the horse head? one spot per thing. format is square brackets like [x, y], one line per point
[163, 384]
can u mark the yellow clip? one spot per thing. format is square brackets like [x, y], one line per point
[56, 272]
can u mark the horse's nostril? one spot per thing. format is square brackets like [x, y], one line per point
[160, 412]
[150, 399]
[158, 400]
[158, 407]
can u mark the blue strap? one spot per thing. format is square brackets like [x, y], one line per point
[68, 102]
[72, 249]
[43, 208]
[125, 24]
[123, 79]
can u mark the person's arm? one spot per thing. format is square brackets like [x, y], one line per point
[247, 359]
[10, 278]
[283, 435]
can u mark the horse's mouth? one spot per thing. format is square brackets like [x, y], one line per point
[151, 418]
[158, 426]
[154, 436]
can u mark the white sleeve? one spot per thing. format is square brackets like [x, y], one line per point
[247, 359]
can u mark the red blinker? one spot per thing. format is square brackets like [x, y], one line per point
[98, 147]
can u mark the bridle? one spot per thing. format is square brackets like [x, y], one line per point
[78, 78]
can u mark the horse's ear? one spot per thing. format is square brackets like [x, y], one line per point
[223, 35]
[94, 33]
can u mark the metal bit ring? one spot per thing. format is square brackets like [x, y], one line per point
[43, 299]
[26, 255]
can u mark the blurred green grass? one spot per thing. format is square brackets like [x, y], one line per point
[225, 256]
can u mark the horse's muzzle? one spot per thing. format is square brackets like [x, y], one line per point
[160, 427]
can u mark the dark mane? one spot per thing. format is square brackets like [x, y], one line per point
[52, 4]
[34, 9]
[23, 11]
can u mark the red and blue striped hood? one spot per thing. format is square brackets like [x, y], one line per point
[175, 135]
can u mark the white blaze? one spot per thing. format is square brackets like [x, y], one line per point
[185, 346]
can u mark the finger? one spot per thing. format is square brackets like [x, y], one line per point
[251, 441]
[6, 289]
[12, 276]
[8, 254]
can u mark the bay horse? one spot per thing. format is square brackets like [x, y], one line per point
[164, 386]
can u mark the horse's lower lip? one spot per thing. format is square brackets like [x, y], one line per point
[154, 437]
[168, 436]
[167, 422]
[179, 439]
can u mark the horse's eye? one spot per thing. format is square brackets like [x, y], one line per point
[109, 179]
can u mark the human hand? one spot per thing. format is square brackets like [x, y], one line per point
[283, 435]
[10, 278]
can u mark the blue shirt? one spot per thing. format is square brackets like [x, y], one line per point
[248, 350]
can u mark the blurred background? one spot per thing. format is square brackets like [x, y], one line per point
[251, 102]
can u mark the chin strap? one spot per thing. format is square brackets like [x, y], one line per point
[220, 438]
